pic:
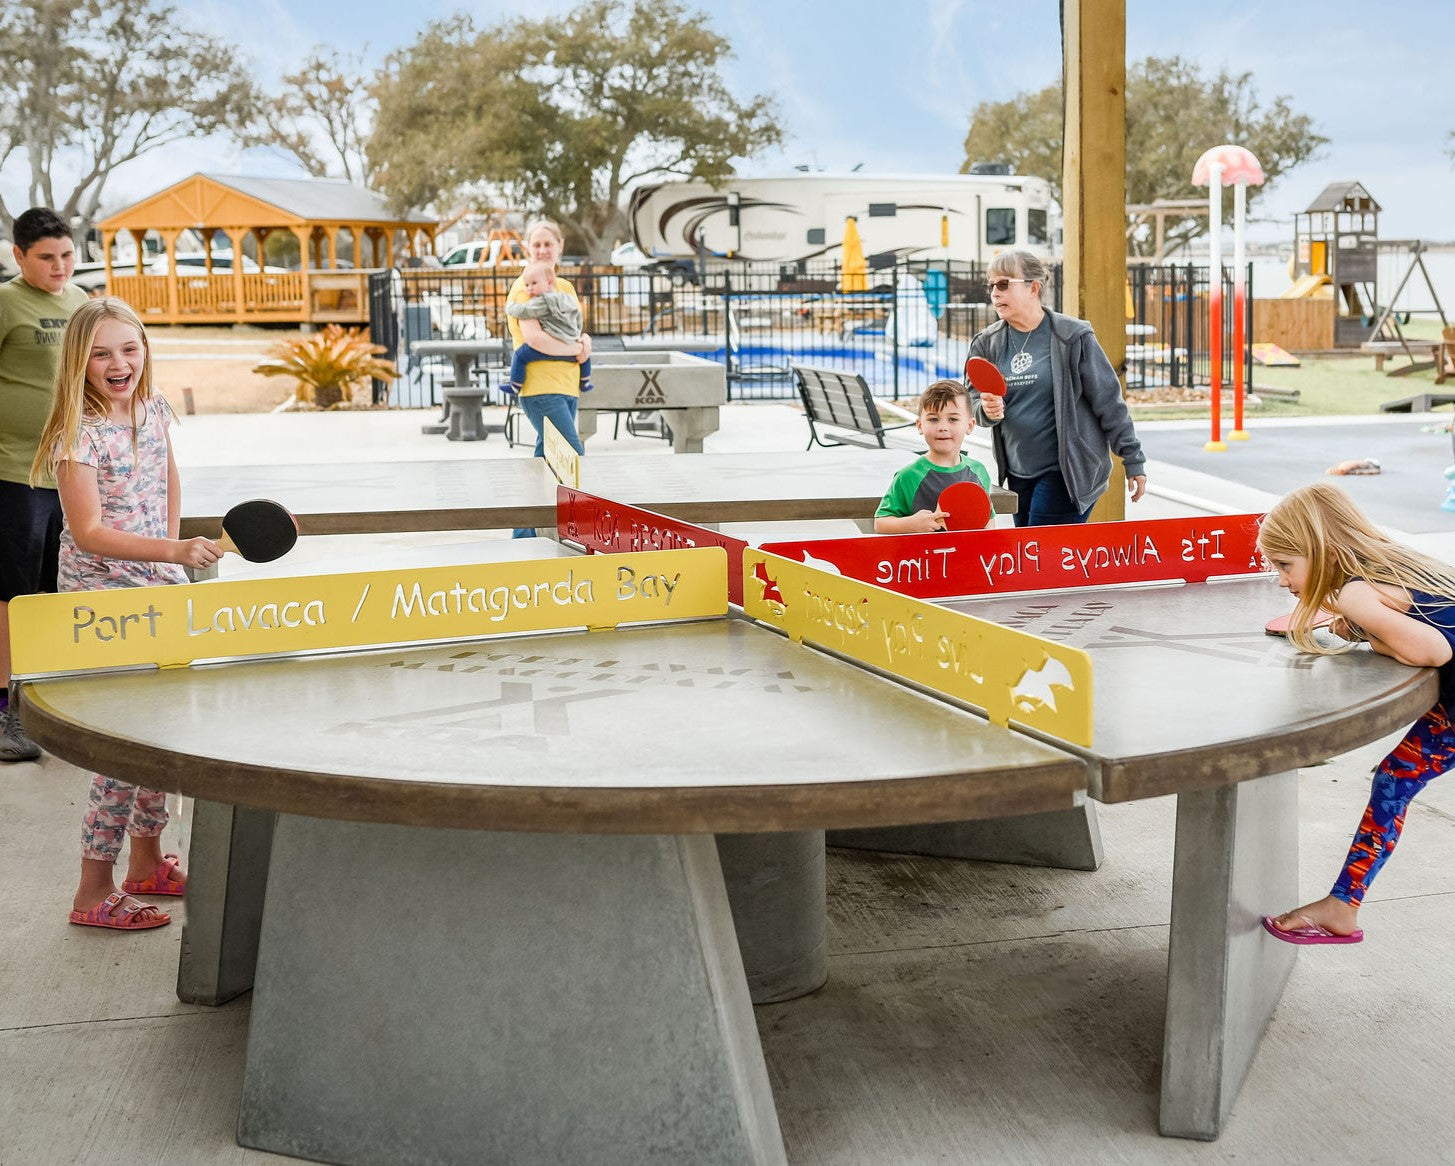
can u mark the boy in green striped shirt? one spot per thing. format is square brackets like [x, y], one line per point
[911, 505]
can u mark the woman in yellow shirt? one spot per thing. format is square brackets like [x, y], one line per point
[551, 388]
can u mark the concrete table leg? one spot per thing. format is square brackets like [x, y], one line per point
[227, 875]
[1068, 839]
[776, 885]
[585, 424]
[464, 362]
[466, 996]
[1236, 860]
[691, 426]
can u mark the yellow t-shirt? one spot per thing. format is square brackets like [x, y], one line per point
[544, 376]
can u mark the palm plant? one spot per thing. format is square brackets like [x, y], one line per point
[328, 365]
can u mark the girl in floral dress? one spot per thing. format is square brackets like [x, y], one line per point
[107, 442]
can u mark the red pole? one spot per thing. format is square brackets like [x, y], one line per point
[1215, 302]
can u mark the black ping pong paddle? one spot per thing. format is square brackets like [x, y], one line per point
[966, 506]
[1278, 625]
[259, 530]
[984, 377]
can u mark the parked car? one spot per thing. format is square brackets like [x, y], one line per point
[193, 262]
[483, 253]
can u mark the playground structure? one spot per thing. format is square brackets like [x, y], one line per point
[1336, 252]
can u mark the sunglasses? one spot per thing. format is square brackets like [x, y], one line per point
[1000, 285]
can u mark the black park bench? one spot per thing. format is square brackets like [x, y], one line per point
[842, 401]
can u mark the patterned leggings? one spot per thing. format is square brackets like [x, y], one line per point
[1427, 751]
[116, 808]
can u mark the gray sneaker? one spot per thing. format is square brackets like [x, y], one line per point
[14, 744]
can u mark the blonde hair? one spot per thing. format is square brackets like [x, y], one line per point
[75, 399]
[1322, 524]
[546, 225]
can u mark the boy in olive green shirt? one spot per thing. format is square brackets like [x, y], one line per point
[34, 308]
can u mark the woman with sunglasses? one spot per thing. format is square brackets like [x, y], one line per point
[1062, 414]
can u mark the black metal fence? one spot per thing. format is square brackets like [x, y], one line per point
[900, 325]
[1169, 328]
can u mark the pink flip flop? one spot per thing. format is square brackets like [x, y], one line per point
[112, 913]
[159, 882]
[1313, 933]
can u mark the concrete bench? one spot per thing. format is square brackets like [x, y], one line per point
[466, 416]
[841, 400]
[462, 355]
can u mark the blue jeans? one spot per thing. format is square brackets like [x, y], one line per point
[1043, 501]
[561, 409]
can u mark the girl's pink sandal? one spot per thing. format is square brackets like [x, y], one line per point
[111, 912]
[160, 882]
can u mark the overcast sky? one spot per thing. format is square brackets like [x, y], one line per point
[891, 85]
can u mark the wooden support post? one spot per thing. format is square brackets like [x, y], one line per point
[169, 238]
[239, 296]
[305, 251]
[1094, 187]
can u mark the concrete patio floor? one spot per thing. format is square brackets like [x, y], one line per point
[973, 1012]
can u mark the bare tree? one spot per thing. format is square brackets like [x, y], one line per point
[327, 97]
[93, 84]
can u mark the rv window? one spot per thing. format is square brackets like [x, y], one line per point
[883, 210]
[1036, 227]
[815, 236]
[1000, 226]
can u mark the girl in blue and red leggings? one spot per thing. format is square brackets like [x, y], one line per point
[1402, 603]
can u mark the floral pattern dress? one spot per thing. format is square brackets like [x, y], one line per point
[131, 475]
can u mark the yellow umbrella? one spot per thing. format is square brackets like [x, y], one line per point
[853, 269]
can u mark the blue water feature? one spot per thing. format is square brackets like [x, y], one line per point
[761, 370]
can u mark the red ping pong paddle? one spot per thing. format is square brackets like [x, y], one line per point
[259, 530]
[984, 377]
[966, 506]
[1278, 625]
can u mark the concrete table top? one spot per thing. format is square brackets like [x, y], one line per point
[1192, 693]
[639, 730]
[351, 498]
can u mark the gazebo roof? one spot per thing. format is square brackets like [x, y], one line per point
[217, 200]
[1343, 196]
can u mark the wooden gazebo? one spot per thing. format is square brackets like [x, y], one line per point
[336, 232]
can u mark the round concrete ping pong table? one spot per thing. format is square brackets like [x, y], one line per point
[496, 926]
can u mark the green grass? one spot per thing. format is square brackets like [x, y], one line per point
[1328, 386]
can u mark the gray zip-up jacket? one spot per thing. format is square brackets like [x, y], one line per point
[1091, 416]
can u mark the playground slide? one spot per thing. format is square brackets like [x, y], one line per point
[1304, 287]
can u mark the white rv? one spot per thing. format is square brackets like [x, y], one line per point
[801, 217]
